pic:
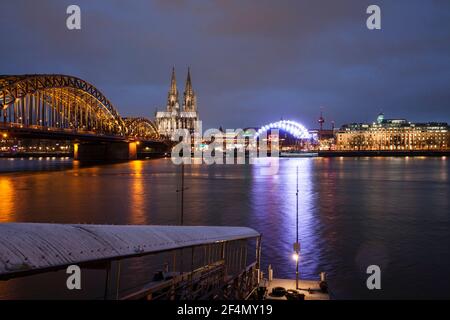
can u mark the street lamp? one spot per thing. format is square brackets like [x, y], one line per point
[296, 255]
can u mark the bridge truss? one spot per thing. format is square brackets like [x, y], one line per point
[61, 103]
[141, 128]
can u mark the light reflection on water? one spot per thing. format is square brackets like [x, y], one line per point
[7, 200]
[274, 196]
[353, 212]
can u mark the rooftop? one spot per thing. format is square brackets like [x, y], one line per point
[26, 247]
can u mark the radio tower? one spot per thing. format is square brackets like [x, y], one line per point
[321, 121]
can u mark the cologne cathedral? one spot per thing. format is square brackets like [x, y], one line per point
[174, 117]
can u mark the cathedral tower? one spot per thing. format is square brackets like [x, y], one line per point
[173, 119]
[189, 101]
[172, 98]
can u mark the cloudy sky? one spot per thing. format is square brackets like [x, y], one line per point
[252, 61]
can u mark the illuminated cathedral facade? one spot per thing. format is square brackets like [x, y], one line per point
[174, 118]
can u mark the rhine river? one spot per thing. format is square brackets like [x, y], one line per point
[354, 212]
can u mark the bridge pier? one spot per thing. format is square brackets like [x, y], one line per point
[153, 149]
[108, 151]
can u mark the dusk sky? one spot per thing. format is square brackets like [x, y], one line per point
[252, 62]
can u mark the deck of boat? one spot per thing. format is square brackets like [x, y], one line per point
[310, 288]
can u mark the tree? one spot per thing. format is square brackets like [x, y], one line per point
[370, 142]
[357, 141]
[430, 141]
[397, 141]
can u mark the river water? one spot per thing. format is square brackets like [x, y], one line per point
[354, 212]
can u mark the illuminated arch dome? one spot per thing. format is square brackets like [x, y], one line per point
[296, 129]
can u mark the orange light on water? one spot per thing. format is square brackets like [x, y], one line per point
[75, 150]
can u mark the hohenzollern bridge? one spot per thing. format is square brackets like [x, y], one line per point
[53, 106]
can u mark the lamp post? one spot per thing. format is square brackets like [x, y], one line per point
[182, 189]
[297, 243]
[181, 216]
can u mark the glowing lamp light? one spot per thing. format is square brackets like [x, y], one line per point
[295, 256]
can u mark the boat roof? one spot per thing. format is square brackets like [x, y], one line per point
[26, 247]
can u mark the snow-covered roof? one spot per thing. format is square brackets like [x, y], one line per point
[37, 246]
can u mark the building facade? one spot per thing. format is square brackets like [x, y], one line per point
[393, 134]
[174, 118]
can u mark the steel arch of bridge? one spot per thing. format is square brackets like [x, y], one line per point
[141, 128]
[57, 102]
[294, 128]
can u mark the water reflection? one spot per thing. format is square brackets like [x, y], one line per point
[8, 198]
[274, 215]
[353, 211]
[139, 194]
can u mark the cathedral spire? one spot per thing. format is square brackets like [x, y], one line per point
[173, 83]
[189, 103]
[174, 118]
[188, 89]
[172, 98]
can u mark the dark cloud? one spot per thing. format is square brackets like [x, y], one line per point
[252, 61]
